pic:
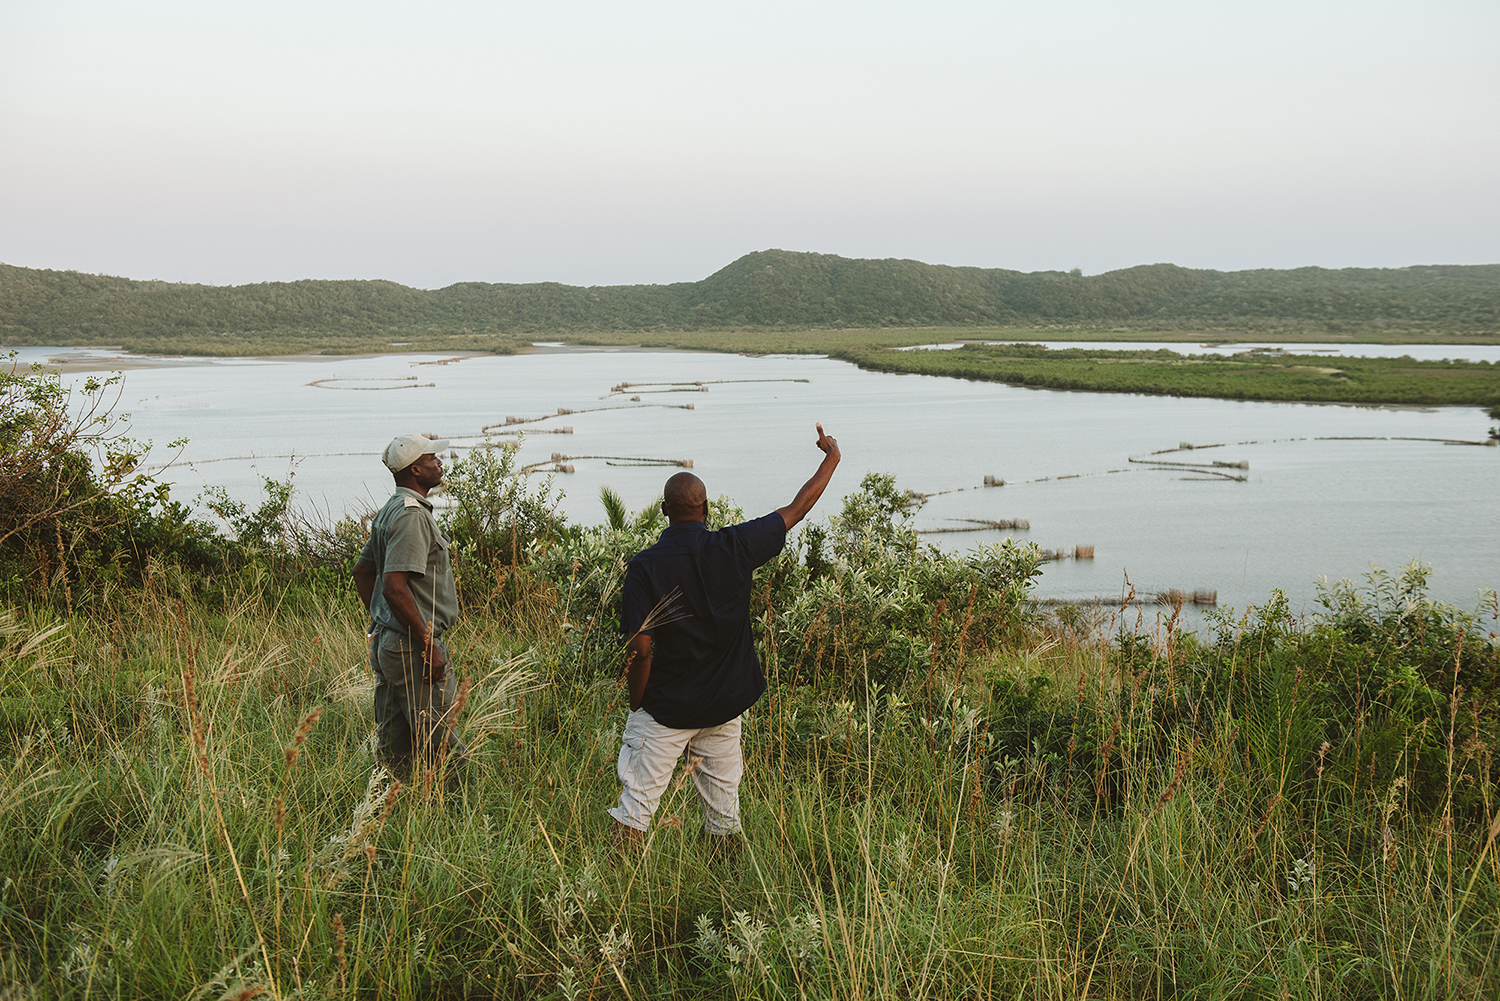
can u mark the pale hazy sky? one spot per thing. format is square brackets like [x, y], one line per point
[604, 143]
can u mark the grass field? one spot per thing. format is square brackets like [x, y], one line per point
[1288, 377]
[190, 812]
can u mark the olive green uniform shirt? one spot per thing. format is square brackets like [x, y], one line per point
[405, 537]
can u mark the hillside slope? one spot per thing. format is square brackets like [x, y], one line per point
[771, 289]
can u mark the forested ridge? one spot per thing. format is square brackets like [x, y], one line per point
[770, 289]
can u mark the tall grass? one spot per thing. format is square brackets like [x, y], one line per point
[190, 810]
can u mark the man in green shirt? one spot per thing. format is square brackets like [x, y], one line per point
[407, 556]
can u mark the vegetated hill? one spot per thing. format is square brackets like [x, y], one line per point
[767, 289]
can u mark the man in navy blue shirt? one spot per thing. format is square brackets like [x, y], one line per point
[690, 660]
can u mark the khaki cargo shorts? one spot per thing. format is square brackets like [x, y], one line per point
[648, 755]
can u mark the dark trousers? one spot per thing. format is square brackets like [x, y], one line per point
[413, 717]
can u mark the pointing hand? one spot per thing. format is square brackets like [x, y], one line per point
[829, 446]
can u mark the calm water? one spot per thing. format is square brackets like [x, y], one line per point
[1309, 507]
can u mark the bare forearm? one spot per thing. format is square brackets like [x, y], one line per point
[811, 491]
[637, 669]
[403, 606]
[364, 583]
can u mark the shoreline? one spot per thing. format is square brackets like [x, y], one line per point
[76, 360]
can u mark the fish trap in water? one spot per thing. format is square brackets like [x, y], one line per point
[1202, 596]
[980, 525]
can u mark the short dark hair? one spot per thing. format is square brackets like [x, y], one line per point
[684, 494]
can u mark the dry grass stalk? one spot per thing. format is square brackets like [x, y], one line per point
[663, 612]
[500, 704]
[338, 930]
[1173, 786]
[195, 718]
[694, 761]
[294, 749]
[1104, 752]
[1265, 819]
[963, 632]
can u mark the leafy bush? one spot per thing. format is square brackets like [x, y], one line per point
[1382, 685]
[498, 524]
[496, 515]
[77, 511]
[883, 606]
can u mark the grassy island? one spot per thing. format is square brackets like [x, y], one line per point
[1247, 376]
[949, 793]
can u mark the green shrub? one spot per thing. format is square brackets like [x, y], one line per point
[77, 510]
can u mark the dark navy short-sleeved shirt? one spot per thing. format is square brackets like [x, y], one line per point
[704, 671]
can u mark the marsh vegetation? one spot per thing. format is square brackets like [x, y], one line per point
[1246, 376]
[948, 794]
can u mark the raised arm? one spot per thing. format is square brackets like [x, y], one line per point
[813, 488]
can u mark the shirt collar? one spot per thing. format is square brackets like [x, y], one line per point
[409, 492]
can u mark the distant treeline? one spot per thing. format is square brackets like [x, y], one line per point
[767, 290]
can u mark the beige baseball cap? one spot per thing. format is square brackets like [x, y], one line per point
[408, 448]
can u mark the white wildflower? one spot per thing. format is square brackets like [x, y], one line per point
[573, 899]
[568, 984]
[107, 877]
[81, 960]
[745, 945]
[901, 853]
[1300, 876]
[803, 938]
[615, 948]
[709, 945]
[419, 947]
[1003, 822]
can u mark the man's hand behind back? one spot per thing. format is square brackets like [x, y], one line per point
[434, 662]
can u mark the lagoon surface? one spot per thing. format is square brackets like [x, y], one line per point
[1329, 490]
